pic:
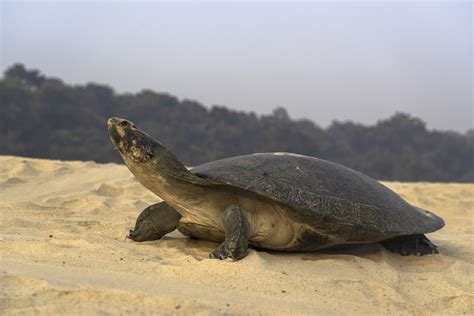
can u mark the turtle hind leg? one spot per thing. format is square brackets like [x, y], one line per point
[236, 228]
[413, 245]
[154, 222]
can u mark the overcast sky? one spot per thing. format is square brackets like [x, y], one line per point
[349, 60]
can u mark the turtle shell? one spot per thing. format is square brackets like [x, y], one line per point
[333, 199]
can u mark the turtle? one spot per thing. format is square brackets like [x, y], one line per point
[275, 201]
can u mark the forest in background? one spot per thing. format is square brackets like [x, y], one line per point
[47, 118]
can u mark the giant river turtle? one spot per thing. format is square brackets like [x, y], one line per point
[277, 201]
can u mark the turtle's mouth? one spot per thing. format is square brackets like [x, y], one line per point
[114, 135]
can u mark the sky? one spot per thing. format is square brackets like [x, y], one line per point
[322, 60]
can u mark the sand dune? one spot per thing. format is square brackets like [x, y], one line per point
[63, 251]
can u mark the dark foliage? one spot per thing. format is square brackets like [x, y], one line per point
[43, 117]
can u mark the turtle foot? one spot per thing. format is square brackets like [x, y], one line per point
[236, 229]
[415, 245]
[154, 222]
[230, 250]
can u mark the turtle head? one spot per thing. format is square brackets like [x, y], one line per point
[151, 162]
[133, 144]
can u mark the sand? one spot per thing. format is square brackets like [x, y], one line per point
[62, 251]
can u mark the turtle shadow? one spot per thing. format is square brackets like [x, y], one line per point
[199, 249]
[360, 250]
[373, 252]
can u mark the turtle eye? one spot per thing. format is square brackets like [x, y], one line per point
[124, 123]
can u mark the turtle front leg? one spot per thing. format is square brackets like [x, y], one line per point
[236, 229]
[154, 222]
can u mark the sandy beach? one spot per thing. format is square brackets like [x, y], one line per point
[63, 251]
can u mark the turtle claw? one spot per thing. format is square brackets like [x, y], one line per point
[229, 250]
[220, 256]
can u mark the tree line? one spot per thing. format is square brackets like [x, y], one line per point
[47, 118]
